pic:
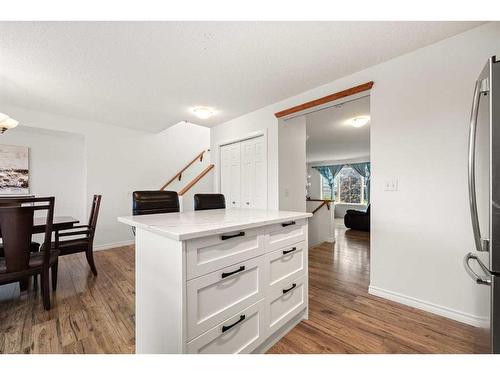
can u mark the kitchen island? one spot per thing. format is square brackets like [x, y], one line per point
[219, 281]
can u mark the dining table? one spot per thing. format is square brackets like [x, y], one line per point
[58, 223]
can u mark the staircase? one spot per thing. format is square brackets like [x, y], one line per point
[189, 178]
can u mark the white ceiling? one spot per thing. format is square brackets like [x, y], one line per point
[146, 75]
[331, 137]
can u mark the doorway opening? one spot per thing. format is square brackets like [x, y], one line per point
[338, 167]
[334, 144]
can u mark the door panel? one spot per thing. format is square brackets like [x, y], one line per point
[244, 173]
[483, 168]
[230, 174]
[247, 173]
[260, 184]
[495, 170]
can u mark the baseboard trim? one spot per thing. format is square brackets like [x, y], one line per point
[473, 320]
[113, 245]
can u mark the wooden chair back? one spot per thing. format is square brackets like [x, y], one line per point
[16, 225]
[94, 213]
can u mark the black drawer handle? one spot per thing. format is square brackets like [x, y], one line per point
[289, 251]
[287, 290]
[287, 224]
[226, 328]
[226, 274]
[223, 237]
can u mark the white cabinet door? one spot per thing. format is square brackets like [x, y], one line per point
[230, 174]
[253, 173]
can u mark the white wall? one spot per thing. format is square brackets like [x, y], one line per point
[320, 228]
[420, 107]
[292, 164]
[56, 164]
[121, 160]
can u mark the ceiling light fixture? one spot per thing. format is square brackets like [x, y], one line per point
[360, 121]
[203, 112]
[7, 123]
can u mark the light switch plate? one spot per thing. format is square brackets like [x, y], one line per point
[391, 184]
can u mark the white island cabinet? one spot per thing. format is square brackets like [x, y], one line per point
[218, 281]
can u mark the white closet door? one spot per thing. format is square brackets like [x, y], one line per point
[230, 176]
[260, 186]
[253, 173]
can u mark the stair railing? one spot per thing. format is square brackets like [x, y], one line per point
[178, 175]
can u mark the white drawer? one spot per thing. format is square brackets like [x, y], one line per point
[208, 254]
[285, 234]
[286, 264]
[241, 333]
[284, 301]
[219, 295]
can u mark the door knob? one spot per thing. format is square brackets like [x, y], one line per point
[234, 202]
[248, 203]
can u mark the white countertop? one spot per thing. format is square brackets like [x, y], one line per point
[193, 224]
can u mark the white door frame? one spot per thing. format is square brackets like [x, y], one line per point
[228, 141]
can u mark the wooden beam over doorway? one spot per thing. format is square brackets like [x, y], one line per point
[329, 98]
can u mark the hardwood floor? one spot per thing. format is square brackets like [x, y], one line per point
[96, 315]
[344, 318]
[89, 315]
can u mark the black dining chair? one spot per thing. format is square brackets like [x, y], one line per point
[209, 202]
[146, 202]
[84, 241]
[18, 262]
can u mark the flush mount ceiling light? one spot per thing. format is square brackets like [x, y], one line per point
[203, 112]
[7, 123]
[360, 121]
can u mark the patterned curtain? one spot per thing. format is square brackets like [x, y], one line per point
[364, 170]
[329, 172]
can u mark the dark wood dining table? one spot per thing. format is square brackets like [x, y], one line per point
[58, 223]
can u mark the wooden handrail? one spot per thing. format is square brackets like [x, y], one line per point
[321, 205]
[197, 178]
[319, 200]
[179, 174]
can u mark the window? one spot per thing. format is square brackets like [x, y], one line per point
[348, 187]
[326, 192]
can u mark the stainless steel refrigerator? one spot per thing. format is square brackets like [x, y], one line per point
[483, 263]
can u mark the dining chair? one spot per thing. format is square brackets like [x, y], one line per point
[9, 201]
[84, 244]
[145, 202]
[209, 201]
[18, 262]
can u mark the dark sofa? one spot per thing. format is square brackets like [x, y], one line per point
[358, 220]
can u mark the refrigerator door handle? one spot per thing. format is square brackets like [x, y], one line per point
[483, 280]
[480, 88]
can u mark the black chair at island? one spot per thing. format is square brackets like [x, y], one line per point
[209, 202]
[146, 202]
